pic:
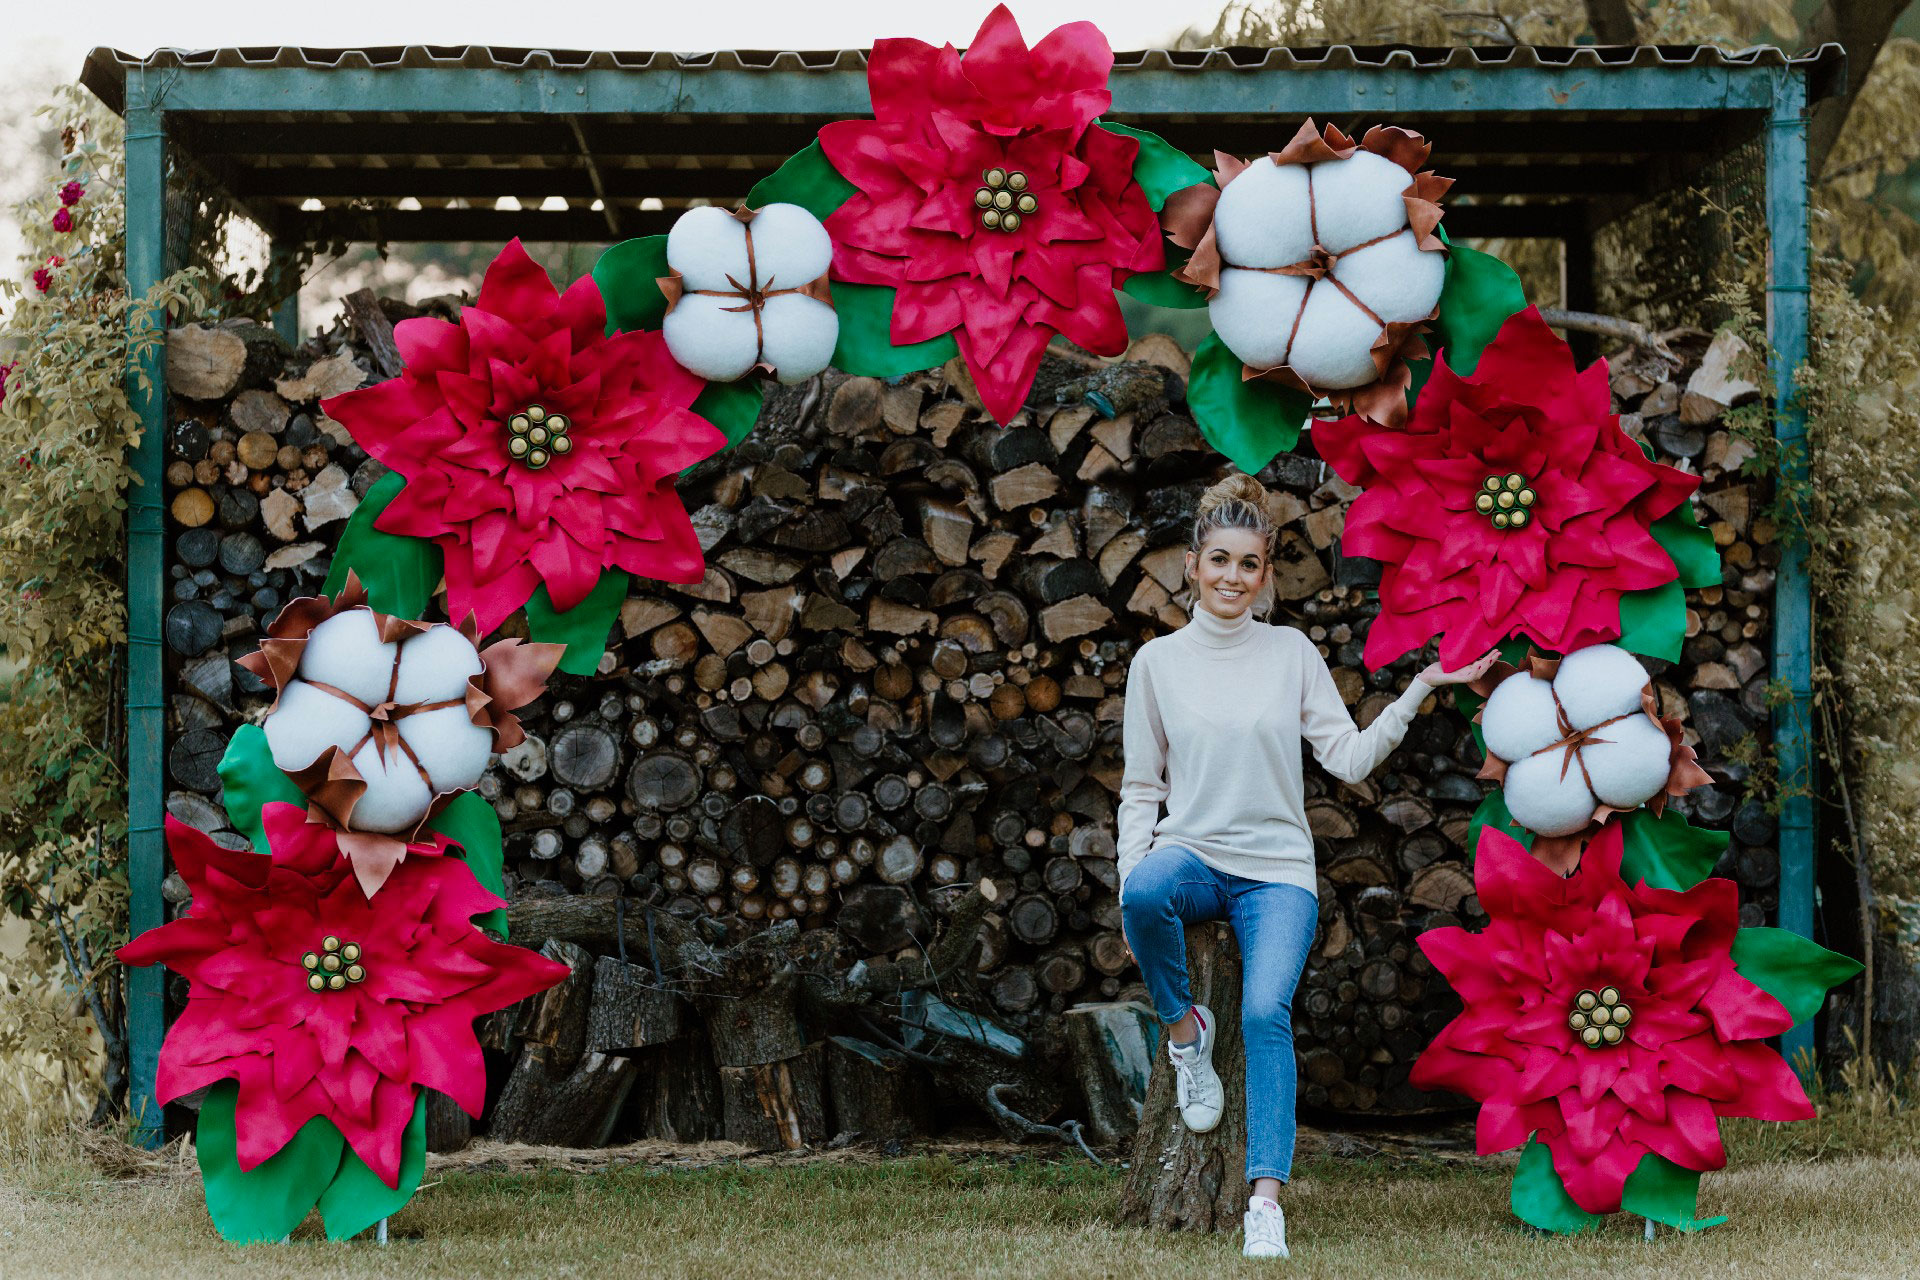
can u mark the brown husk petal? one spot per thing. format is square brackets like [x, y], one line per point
[1187, 219]
[513, 673]
[673, 287]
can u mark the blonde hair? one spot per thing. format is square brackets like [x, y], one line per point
[1237, 502]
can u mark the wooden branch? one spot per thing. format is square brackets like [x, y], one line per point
[1607, 326]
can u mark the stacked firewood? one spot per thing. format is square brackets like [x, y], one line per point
[902, 680]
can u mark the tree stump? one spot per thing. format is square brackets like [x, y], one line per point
[1181, 1181]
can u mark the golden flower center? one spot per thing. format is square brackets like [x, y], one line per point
[335, 966]
[536, 437]
[1004, 201]
[1600, 1017]
[1506, 500]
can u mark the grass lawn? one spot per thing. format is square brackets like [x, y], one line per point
[1838, 1197]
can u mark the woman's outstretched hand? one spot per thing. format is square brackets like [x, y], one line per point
[1435, 674]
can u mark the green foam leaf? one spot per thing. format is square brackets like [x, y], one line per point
[1249, 422]
[398, 573]
[1161, 168]
[628, 275]
[807, 179]
[866, 336]
[1667, 852]
[1692, 549]
[583, 628]
[249, 779]
[1540, 1199]
[1493, 813]
[1796, 971]
[271, 1199]
[356, 1198]
[1479, 295]
[731, 406]
[1160, 289]
[471, 823]
[1654, 622]
[1662, 1190]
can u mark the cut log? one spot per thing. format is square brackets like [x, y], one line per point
[1113, 1048]
[1184, 1181]
[630, 1009]
[777, 1106]
[877, 1094]
[753, 1028]
[680, 1098]
[548, 1105]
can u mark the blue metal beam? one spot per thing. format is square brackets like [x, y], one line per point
[1788, 290]
[1389, 91]
[146, 193]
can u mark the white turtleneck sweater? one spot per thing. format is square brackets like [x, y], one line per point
[1215, 715]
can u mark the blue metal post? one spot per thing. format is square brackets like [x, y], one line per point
[286, 316]
[1788, 298]
[146, 195]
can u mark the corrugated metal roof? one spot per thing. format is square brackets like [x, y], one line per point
[106, 69]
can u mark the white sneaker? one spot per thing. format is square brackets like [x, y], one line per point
[1197, 1084]
[1266, 1230]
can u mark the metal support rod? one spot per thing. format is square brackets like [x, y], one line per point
[607, 208]
[1789, 269]
[286, 316]
[146, 210]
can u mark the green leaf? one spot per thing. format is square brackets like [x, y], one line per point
[628, 275]
[1691, 547]
[1161, 168]
[1667, 852]
[271, 1199]
[866, 336]
[1160, 289]
[471, 823]
[583, 628]
[731, 406]
[1796, 971]
[249, 779]
[1654, 622]
[1480, 293]
[1662, 1190]
[1249, 422]
[807, 179]
[398, 573]
[1493, 813]
[1540, 1199]
[356, 1198]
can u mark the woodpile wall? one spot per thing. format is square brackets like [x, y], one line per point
[902, 678]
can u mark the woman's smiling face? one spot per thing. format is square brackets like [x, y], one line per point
[1229, 572]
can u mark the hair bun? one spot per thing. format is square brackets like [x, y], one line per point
[1238, 487]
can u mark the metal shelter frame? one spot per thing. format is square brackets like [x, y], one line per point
[1568, 139]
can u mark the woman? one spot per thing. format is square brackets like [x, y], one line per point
[1215, 715]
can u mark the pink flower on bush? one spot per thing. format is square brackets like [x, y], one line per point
[43, 276]
[63, 219]
[71, 193]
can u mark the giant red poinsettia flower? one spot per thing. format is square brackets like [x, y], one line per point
[1511, 503]
[414, 973]
[535, 448]
[1688, 1050]
[953, 134]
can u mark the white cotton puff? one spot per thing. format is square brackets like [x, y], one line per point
[450, 746]
[1261, 219]
[1253, 314]
[1333, 347]
[307, 721]
[1544, 801]
[1598, 683]
[709, 340]
[1519, 718]
[396, 797]
[799, 335]
[790, 247]
[1630, 767]
[435, 666]
[706, 245]
[1398, 280]
[1358, 199]
[346, 652]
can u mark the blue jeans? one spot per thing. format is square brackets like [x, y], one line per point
[1171, 888]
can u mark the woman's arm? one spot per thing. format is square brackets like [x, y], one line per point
[1143, 783]
[1344, 750]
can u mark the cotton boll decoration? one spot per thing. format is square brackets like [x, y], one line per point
[1575, 738]
[1351, 230]
[382, 721]
[749, 290]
